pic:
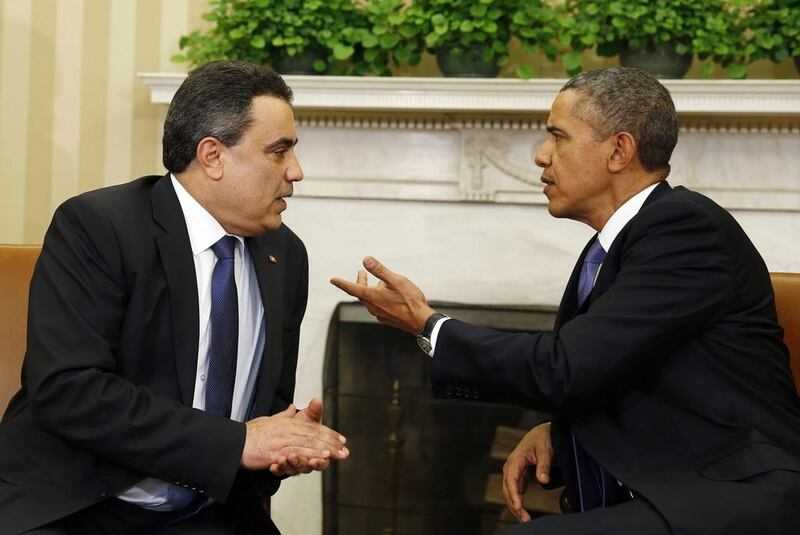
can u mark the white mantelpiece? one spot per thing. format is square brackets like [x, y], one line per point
[454, 140]
[373, 148]
[504, 95]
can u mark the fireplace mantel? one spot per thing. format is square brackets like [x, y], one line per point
[473, 140]
[502, 95]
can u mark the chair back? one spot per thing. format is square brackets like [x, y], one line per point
[787, 303]
[16, 268]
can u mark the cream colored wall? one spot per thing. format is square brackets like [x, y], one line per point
[73, 114]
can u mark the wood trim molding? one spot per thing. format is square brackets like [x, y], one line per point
[473, 140]
[504, 95]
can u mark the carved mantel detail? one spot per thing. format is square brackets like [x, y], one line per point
[461, 140]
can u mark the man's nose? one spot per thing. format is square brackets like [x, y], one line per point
[542, 156]
[294, 173]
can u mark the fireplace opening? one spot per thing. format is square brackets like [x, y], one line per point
[418, 465]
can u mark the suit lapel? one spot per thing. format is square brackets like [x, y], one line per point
[612, 262]
[608, 272]
[176, 258]
[266, 253]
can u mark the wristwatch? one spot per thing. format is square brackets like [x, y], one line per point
[424, 336]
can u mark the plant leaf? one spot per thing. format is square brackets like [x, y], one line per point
[342, 52]
[572, 62]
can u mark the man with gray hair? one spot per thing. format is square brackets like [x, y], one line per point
[674, 408]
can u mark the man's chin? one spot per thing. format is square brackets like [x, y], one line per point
[555, 212]
[273, 223]
[260, 227]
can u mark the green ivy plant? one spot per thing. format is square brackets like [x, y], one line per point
[534, 24]
[392, 35]
[466, 26]
[266, 31]
[708, 28]
[773, 30]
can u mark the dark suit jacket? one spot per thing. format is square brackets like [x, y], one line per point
[673, 375]
[109, 372]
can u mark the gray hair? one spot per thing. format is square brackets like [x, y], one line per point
[629, 100]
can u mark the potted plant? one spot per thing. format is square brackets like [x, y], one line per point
[390, 36]
[533, 23]
[468, 37]
[773, 31]
[661, 36]
[294, 36]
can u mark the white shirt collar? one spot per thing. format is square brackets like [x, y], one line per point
[624, 213]
[204, 230]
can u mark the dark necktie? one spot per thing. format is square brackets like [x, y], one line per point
[591, 263]
[596, 488]
[224, 343]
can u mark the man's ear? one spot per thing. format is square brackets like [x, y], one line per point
[209, 156]
[625, 151]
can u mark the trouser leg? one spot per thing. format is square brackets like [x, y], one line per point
[636, 516]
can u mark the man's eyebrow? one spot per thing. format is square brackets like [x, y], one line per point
[282, 143]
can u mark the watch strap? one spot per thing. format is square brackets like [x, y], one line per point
[430, 323]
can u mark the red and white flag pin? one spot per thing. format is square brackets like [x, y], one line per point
[272, 259]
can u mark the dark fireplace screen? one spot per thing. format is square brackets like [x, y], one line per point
[418, 465]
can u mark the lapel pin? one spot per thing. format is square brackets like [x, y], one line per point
[272, 259]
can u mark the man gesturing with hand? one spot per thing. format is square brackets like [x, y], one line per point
[673, 407]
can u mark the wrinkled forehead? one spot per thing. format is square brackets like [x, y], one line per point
[571, 105]
[575, 105]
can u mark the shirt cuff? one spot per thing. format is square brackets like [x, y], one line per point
[435, 335]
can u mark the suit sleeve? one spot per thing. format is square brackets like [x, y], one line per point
[675, 281]
[77, 305]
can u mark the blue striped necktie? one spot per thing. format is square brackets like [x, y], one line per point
[224, 343]
[596, 487]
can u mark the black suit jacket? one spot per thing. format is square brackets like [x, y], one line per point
[673, 374]
[109, 372]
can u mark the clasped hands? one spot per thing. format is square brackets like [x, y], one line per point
[292, 442]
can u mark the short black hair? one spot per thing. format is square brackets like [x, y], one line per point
[215, 100]
[629, 100]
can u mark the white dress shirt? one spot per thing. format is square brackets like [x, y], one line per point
[205, 231]
[607, 235]
[622, 216]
